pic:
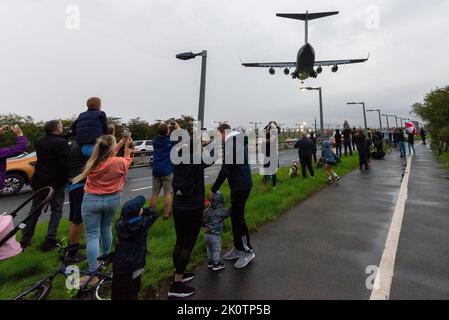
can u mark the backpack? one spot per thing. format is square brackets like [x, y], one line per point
[184, 182]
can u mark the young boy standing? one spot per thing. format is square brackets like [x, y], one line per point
[213, 219]
[131, 250]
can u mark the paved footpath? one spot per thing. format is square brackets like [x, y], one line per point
[422, 262]
[321, 248]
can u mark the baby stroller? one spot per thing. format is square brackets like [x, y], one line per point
[11, 223]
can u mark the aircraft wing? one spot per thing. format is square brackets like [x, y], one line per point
[337, 62]
[271, 65]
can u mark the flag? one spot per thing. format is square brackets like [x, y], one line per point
[410, 127]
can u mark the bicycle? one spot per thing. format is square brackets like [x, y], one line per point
[101, 290]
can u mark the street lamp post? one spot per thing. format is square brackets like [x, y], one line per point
[386, 118]
[396, 120]
[321, 105]
[364, 113]
[380, 118]
[257, 137]
[280, 127]
[191, 55]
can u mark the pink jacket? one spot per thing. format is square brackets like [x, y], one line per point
[108, 177]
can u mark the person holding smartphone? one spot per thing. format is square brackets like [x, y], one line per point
[12, 151]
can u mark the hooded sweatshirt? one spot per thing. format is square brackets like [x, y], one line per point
[328, 154]
[108, 177]
[131, 249]
[5, 153]
[238, 174]
[214, 216]
[162, 165]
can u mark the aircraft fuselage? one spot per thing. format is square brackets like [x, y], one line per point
[305, 60]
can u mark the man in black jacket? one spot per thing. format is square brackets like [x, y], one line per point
[131, 250]
[50, 170]
[237, 171]
[306, 149]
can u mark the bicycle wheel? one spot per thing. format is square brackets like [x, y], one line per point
[39, 291]
[103, 289]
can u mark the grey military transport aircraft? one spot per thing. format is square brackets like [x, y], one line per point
[305, 59]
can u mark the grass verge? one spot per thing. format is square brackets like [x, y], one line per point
[264, 204]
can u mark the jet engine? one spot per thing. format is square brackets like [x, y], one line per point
[319, 69]
[334, 68]
[286, 71]
[271, 71]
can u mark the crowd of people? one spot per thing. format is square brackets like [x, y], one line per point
[92, 167]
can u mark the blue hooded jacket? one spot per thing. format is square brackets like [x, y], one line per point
[162, 165]
[328, 155]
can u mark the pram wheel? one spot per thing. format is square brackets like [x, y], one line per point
[39, 291]
[104, 289]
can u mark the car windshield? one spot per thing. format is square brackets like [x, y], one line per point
[137, 143]
[24, 155]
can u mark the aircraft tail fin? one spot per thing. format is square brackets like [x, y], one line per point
[306, 16]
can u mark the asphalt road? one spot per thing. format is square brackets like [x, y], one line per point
[139, 182]
[326, 247]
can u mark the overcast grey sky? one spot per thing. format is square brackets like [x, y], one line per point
[124, 52]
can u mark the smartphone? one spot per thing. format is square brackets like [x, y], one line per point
[125, 130]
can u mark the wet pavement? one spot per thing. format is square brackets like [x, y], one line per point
[422, 261]
[321, 248]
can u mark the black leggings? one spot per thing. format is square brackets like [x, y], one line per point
[239, 228]
[187, 225]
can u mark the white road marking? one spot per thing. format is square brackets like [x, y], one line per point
[385, 272]
[139, 189]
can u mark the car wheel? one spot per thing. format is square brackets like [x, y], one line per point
[13, 184]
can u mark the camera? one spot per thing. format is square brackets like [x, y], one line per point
[125, 130]
[6, 128]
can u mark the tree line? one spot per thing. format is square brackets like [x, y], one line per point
[33, 130]
[434, 110]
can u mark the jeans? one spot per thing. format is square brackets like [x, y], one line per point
[348, 145]
[239, 228]
[410, 147]
[402, 148]
[213, 244]
[187, 226]
[56, 205]
[98, 213]
[306, 163]
[266, 179]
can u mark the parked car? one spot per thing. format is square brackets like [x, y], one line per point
[19, 171]
[291, 141]
[143, 145]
